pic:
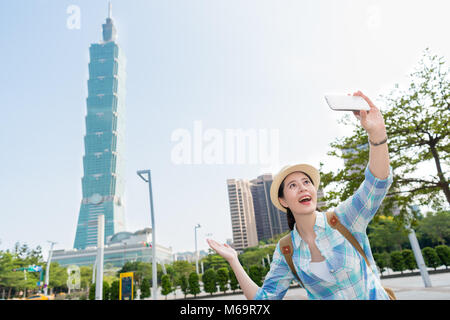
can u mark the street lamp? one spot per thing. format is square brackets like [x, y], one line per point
[47, 270]
[196, 253]
[141, 174]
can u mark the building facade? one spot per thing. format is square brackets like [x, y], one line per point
[269, 220]
[243, 221]
[119, 249]
[103, 162]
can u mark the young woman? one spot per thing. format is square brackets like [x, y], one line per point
[328, 265]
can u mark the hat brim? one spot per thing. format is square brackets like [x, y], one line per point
[284, 172]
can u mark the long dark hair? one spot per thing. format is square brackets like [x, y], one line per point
[290, 215]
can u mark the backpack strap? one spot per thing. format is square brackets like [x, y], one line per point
[287, 249]
[334, 222]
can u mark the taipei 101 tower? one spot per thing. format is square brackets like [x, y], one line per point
[103, 163]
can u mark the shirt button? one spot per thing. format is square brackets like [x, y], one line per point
[332, 270]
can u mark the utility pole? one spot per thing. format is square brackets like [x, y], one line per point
[47, 270]
[100, 244]
[196, 252]
[141, 174]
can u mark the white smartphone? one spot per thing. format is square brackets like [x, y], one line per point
[346, 103]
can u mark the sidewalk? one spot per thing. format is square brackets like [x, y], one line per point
[405, 288]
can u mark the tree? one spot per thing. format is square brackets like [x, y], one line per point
[409, 259]
[397, 263]
[256, 274]
[417, 123]
[382, 260]
[222, 279]
[114, 291]
[184, 285]
[431, 258]
[234, 284]
[385, 235]
[436, 226]
[209, 279]
[145, 288]
[194, 285]
[166, 285]
[443, 252]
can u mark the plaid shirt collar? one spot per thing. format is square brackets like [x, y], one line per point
[319, 224]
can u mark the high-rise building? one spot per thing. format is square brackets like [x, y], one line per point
[103, 162]
[269, 220]
[242, 214]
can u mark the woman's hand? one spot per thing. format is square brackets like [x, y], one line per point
[224, 250]
[372, 121]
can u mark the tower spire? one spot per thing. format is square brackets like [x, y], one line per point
[109, 31]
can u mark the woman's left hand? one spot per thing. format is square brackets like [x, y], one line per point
[372, 121]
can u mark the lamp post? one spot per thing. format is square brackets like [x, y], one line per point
[141, 174]
[47, 270]
[196, 253]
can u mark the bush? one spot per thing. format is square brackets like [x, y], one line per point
[397, 263]
[382, 260]
[443, 252]
[145, 288]
[166, 285]
[431, 258]
[409, 259]
[194, 285]
[234, 284]
[256, 274]
[222, 279]
[114, 292]
[209, 279]
[184, 285]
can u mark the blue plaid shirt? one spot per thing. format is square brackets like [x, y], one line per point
[353, 278]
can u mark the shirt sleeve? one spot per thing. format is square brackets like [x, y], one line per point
[277, 280]
[357, 211]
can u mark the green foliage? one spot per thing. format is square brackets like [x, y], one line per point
[234, 284]
[223, 278]
[194, 285]
[417, 123]
[385, 235]
[382, 260]
[145, 288]
[114, 290]
[409, 259]
[397, 262]
[256, 274]
[443, 253]
[436, 226]
[431, 258]
[166, 284]
[209, 279]
[184, 284]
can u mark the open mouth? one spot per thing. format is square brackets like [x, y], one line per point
[305, 200]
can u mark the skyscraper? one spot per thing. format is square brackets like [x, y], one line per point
[269, 220]
[103, 162]
[243, 222]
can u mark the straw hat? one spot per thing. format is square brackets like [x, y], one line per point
[284, 172]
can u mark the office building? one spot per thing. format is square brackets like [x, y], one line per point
[242, 214]
[269, 220]
[103, 162]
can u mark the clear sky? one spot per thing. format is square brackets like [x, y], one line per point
[257, 66]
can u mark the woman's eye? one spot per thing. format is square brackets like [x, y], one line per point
[292, 185]
[307, 182]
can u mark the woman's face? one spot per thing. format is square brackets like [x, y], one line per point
[299, 194]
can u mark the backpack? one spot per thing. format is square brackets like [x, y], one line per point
[287, 248]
